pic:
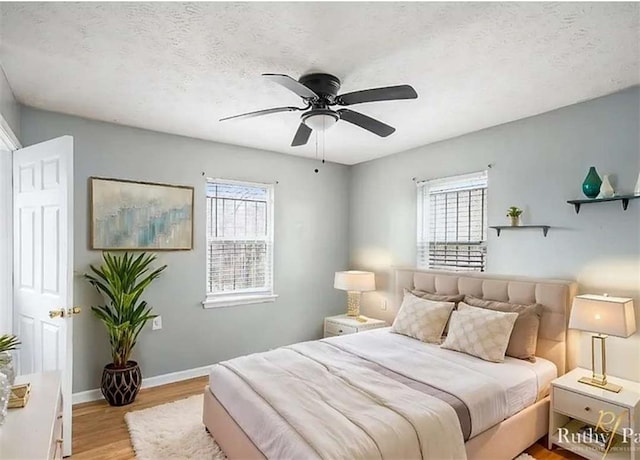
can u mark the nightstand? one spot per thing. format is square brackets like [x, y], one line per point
[343, 324]
[575, 404]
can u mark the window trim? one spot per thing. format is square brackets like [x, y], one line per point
[246, 296]
[236, 300]
[423, 211]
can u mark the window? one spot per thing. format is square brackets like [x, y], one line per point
[239, 243]
[452, 222]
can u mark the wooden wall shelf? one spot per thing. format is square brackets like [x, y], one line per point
[623, 198]
[499, 228]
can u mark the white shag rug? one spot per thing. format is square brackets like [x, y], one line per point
[172, 431]
[175, 431]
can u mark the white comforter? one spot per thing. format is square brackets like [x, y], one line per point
[302, 401]
[342, 409]
[476, 382]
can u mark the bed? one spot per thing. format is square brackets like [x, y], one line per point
[498, 409]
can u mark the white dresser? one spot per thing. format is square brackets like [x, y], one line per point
[35, 431]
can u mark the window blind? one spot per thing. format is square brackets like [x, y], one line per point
[239, 238]
[452, 222]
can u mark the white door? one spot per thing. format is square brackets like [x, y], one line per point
[43, 263]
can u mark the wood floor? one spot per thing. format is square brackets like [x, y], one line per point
[100, 432]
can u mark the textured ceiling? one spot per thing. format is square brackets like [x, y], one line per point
[179, 67]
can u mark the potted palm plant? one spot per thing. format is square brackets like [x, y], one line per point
[122, 279]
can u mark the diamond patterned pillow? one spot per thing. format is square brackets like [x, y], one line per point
[455, 298]
[422, 319]
[524, 337]
[480, 332]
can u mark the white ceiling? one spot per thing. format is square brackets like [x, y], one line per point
[178, 67]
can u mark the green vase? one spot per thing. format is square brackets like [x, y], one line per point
[592, 183]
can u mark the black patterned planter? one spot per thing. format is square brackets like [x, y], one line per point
[120, 386]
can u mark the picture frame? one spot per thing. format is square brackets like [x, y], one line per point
[128, 215]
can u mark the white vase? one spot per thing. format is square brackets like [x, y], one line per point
[636, 191]
[5, 393]
[606, 190]
[6, 366]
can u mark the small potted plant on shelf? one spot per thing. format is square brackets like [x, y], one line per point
[514, 214]
[122, 279]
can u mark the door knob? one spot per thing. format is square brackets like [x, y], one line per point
[57, 313]
[74, 311]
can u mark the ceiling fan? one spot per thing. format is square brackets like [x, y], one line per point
[320, 92]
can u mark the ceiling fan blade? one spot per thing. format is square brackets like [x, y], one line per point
[259, 113]
[388, 93]
[302, 135]
[368, 123]
[291, 84]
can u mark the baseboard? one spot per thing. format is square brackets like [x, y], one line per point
[95, 395]
[86, 396]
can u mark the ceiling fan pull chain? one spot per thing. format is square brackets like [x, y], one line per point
[316, 169]
[323, 146]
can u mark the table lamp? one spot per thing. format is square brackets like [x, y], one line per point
[354, 282]
[605, 316]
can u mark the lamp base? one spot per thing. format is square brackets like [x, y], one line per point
[353, 303]
[599, 379]
[605, 386]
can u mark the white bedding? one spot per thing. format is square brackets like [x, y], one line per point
[478, 383]
[492, 391]
[344, 409]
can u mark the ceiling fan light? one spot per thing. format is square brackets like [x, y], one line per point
[320, 120]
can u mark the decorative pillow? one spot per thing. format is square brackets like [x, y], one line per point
[524, 338]
[480, 332]
[455, 298]
[422, 319]
[438, 297]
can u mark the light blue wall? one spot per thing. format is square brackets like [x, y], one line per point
[311, 225]
[538, 164]
[365, 213]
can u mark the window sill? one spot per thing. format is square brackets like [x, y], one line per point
[234, 301]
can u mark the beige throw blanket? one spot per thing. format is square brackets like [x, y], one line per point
[345, 410]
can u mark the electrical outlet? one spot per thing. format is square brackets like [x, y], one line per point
[383, 305]
[156, 323]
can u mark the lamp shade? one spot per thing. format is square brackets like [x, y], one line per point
[354, 280]
[603, 315]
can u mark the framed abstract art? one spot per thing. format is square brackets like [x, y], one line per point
[131, 215]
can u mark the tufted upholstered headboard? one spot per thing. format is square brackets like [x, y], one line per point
[554, 295]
